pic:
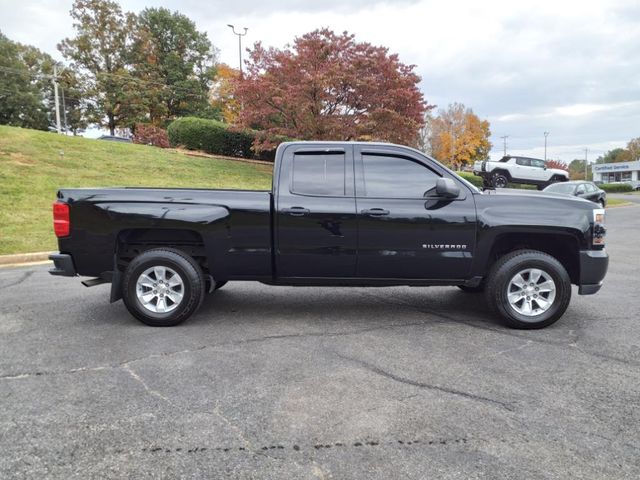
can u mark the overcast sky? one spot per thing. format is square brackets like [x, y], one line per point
[568, 67]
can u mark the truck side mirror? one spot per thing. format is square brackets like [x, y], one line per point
[445, 187]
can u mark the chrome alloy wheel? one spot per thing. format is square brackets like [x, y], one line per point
[531, 292]
[160, 289]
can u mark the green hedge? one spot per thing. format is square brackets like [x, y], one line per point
[215, 137]
[616, 187]
[471, 178]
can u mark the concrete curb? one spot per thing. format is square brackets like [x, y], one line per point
[20, 258]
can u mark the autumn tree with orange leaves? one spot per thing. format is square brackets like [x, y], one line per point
[222, 94]
[458, 137]
[331, 87]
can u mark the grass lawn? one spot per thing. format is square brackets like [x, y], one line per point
[617, 202]
[34, 165]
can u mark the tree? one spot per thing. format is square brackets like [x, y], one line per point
[425, 133]
[614, 156]
[329, 86]
[101, 48]
[557, 164]
[633, 147]
[175, 62]
[222, 93]
[459, 137]
[74, 107]
[25, 85]
[576, 169]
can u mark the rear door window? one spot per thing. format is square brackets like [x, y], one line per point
[537, 163]
[320, 174]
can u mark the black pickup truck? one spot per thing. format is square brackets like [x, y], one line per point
[339, 213]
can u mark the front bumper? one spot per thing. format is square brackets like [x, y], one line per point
[593, 268]
[62, 265]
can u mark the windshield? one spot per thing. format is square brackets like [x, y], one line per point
[560, 188]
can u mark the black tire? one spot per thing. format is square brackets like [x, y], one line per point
[499, 180]
[192, 289]
[543, 186]
[478, 289]
[506, 268]
[602, 203]
[219, 285]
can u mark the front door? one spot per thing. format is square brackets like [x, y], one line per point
[405, 232]
[316, 223]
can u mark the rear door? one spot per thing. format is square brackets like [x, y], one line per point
[404, 231]
[315, 212]
[593, 193]
[539, 170]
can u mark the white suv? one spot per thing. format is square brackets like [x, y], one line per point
[512, 169]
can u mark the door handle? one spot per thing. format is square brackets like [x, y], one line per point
[296, 211]
[375, 212]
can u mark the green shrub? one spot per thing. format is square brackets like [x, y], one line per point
[471, 178]
[616, 187]
[215, 137]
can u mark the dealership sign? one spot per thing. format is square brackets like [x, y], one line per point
[616, 167]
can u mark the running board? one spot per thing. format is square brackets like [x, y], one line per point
[94, 281]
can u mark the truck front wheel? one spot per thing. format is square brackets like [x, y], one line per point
[499, 180]
[528, 289]
[163, 287]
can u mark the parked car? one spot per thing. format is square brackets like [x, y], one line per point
[514, 169]
[113, 138]
[338, 214]
[582, 189]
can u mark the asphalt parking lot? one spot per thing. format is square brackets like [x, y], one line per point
[275, 382]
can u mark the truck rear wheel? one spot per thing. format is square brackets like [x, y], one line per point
[528, 289]
[163, 287]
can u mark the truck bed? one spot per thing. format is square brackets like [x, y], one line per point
[232, 227]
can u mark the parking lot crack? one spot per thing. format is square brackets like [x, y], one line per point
[141, 381]
[470, 396]
[24, 277]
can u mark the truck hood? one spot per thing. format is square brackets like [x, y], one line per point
[559, 199]
[558, 171]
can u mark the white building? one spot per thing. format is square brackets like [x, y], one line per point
[617, 172]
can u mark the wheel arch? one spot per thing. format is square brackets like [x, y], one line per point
[502, 171]
[564, 247]
[132, 242]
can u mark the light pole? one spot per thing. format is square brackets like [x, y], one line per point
[56, 98]
[504, 139]
[586, 164]
[240, 35]
[546, 134]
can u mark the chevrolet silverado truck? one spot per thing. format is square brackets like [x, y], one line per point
[523, 170]
[338, 214]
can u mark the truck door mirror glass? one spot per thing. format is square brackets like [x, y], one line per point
[445, 187]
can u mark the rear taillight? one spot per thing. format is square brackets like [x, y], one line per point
[61, 223]
[599, 230]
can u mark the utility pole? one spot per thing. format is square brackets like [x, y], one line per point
[55, 94]
[240, 35]
[546, 134]
[504, 139]
[64, 111]
[586, 164]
